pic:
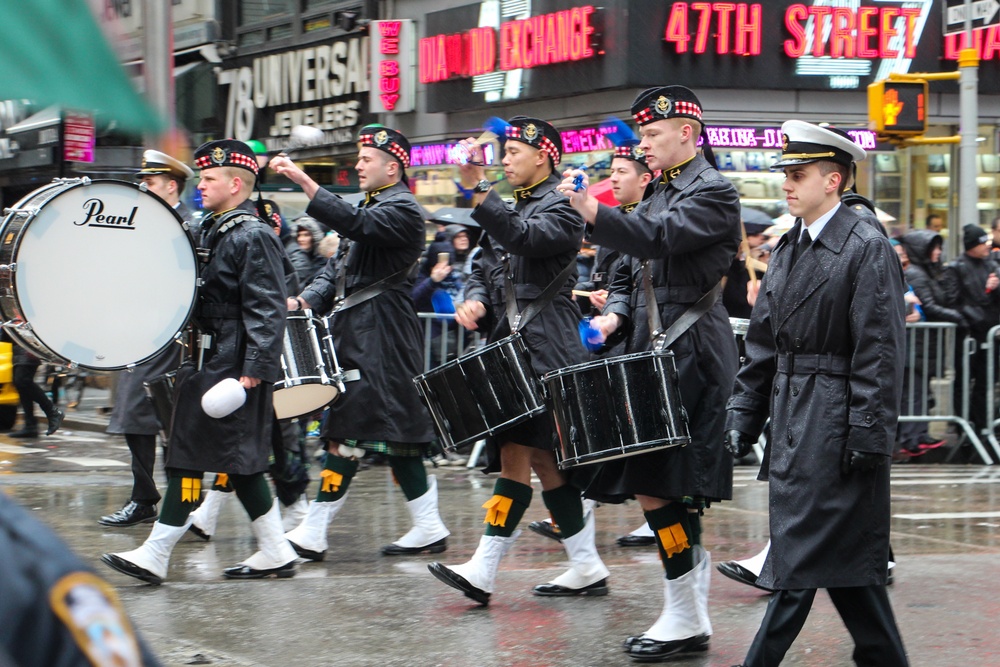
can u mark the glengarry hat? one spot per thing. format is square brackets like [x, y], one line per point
[388, 140]
[536, 133]
[655, 104]
[226, 153]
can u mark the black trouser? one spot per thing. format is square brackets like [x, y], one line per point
[30, 393]
[143, 448]
[865, 611]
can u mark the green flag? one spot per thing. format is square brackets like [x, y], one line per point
[53, 52]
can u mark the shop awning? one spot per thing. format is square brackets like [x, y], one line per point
[53, 52]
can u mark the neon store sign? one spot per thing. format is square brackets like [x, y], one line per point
[537, 41]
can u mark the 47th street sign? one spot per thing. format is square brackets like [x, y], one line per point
[985, 13]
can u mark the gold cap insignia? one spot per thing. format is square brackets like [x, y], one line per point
[784, 142]
[143, 163]
[663, 105]
[530, 132]
[218, 155]
[268, 209]
[381, 137]
[638, 152]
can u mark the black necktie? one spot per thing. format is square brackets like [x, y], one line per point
[804, 242]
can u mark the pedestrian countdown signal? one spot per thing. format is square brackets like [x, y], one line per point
[897, 108]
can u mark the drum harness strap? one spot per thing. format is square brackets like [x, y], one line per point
[216, 310]
[516, 319]
[662, 338]
[371, 291]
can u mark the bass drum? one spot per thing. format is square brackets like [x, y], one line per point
[97, 274]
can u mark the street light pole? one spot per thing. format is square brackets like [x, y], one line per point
[968, 82]
[158, 60]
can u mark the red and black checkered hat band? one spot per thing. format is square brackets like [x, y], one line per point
[232, 160]
[679, 110]
[390, 147]
[542, 142]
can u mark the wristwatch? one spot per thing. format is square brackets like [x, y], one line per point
[482, 186]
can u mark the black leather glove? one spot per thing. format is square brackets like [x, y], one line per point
[854, 460]
[738, 443]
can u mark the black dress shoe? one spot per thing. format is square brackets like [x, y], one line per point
[247, 572]
[650, 650]
[459, 582]
[24, 433]
[55, 421]
[737, 572]
[596, 589]
[434, 548]
[195, 530]
[131, 569]
[636, 541]
[130, 515]
[546, 529]
[308, 554]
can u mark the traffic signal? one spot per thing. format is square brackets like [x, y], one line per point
[898, 107]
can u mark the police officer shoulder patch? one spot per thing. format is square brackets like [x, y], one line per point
[92, 612]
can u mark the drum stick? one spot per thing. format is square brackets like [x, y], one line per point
[580, 292]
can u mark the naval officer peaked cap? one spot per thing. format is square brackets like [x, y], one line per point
[802, 143]
[155, 162]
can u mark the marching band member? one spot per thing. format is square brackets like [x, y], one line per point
[532, 243]
[377, 331]
[220, 423]
[688, 230]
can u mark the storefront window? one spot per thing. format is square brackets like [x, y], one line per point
[256, 11]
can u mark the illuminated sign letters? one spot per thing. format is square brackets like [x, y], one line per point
[392, 66]
[537, 41]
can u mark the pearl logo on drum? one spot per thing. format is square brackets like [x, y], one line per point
[96, 217]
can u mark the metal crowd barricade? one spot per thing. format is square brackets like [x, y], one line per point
[991, 393]
[930, 377]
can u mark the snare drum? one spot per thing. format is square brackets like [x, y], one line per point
[483, 392]
[160, 392]
[612, 408]
[312, 373]
[97, 274]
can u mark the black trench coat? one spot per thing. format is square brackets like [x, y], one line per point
[242, 302]
[690, 230]
[381, 337]
[843, 298]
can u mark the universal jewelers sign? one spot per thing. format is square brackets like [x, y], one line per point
[324, 85]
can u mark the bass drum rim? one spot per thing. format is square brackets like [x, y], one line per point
[11, 310]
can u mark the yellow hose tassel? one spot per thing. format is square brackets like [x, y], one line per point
[331, 481]
[190, 489]
[497, 509]
[221, 480]
[673, 539]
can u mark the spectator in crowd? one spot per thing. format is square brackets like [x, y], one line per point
[934, 223]
[938, 300]
[441, 288]
[308, 235]
[329, 245]
[736, 296]
[25, 366]
[912, 438]
[974, 278]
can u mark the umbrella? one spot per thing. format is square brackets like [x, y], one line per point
[53, 52]
[454, 216]
[754, 216]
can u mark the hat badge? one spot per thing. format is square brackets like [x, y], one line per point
[663, 105]
[381, 137]
[218, 155]
[784, 142]
[530, 132]
[268, 209]
[638, 152]
[143, 163]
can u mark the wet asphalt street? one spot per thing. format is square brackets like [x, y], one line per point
[359, 608]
